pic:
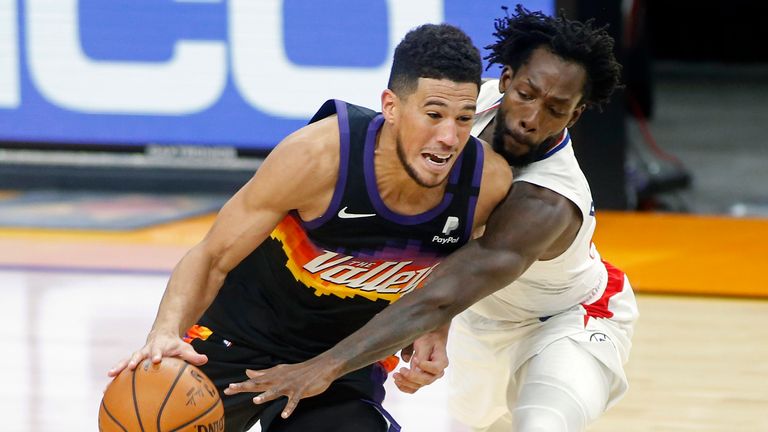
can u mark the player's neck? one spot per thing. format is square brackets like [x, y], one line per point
[487, 133]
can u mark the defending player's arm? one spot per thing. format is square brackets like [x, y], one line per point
[521, 230]
[427, 355]
[298, 174]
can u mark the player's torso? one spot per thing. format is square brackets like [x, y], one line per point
[575, 276]
[311, 283]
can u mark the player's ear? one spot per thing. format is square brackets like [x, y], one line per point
[576, 114]
[389, 105]
[505, 79]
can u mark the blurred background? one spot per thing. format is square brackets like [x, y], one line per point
[181, 96]
[126, 124]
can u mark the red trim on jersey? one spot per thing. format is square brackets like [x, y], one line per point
[390, 363]
[599, 309]
[559, 141]
[197, 332]
[495, 105]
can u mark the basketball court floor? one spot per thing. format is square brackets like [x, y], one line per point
[75, 302]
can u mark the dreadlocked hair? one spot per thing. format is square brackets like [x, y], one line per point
[519, 34]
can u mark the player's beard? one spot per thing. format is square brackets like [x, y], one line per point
[412, 173]
[518, 161]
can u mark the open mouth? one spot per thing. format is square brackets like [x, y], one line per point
[436, 159]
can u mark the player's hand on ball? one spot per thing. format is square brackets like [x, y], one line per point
[169, 396]
[160, 345]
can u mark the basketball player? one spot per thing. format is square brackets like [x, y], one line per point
[345, 215]
[548, 329]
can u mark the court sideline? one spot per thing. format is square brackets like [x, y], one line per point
[75, 302]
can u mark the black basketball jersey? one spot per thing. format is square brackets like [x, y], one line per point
[312, 283]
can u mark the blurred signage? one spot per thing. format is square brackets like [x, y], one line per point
[238, 73]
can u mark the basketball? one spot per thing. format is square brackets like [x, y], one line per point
[170, 396]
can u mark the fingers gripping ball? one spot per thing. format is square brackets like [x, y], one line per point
[170, 396]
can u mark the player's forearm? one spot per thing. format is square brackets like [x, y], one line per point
[443, 330]
[446, 294]
[192, 287]
[395, 327]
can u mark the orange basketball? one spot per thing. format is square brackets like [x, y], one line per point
[170, 396]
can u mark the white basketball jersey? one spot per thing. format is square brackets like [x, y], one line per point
[576, 276]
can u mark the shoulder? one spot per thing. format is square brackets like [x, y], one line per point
[302, 169]
[497, 175]
[311, 151]
[553, 210]
[497, 178]
[557, 217]
[318, 139]
[561, 175]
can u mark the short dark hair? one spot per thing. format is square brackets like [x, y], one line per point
[518, 34]
[439, 51]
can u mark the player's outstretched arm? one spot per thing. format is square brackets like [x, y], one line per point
[427, 355]
[518, 232]
[299, 174]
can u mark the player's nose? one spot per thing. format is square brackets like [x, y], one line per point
[448, 133]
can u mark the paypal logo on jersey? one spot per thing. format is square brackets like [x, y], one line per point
[451, 223]
[238, 73]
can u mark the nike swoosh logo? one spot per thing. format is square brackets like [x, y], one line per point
[344, 215]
